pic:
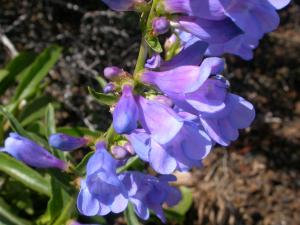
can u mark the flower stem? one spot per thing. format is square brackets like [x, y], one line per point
[144, 49]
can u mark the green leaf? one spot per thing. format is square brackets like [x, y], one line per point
[34, 110]
[14, 68]
[7, 217]
[131, 162]
[105, 99]
[81, 167]
[179, 211]
[24, 174]
[130, 216]
[79, 131]
[3, 74]
[32, 76]
[16, 126]
[50, 120]
[153, 42]
[57, 202]
[67, 212]
[102, 82]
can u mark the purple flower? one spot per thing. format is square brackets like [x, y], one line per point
[253, 19]
[147, 193]
[122, 5]
[194, 90]
[110, 87]
[125, 114]
[119, 152]
[176, 82]
[31, 153]
[191, 55]
[66, 142]
[160, 25]
[154, 62]
[168, 142]
[112, 72]
[102, 191]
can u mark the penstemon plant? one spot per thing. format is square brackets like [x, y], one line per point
[168, 114]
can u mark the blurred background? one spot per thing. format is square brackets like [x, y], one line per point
[254, 181]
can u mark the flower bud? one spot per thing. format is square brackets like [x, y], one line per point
[31, 153]
[112, 72]
[160, 25]
[126, 112]
[119, 152]
[66, 142]
[110, 87]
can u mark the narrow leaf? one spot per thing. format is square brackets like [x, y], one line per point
[81, 167]
[15, 67]
[130, 216]
[34, 110]
[105, 99]
[16, 126]
[32, 76]
[24, 174]
[8, 217]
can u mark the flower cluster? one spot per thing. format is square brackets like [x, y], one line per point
[169, 114]
[104, 190]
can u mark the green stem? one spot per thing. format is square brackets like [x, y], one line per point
[144, 47]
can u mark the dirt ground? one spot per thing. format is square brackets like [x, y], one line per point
[256, 181]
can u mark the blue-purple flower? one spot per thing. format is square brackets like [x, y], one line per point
[102, 191]
[195, 90]
[241, 23]
[168, 142]
[147, 192]
[160, 25]
[66, 142]
[125, 115]
[31, 153]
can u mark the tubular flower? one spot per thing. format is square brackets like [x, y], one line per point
[104, 191]
[31, 153]
[243, 22]
[66, 142]
[168, 142]
[125, 115]
[147, 193]
[101, 192]
[195, 90]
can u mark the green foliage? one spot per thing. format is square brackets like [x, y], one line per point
[130, 216]
[24, 174]
[105, 99]
[179, 211]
